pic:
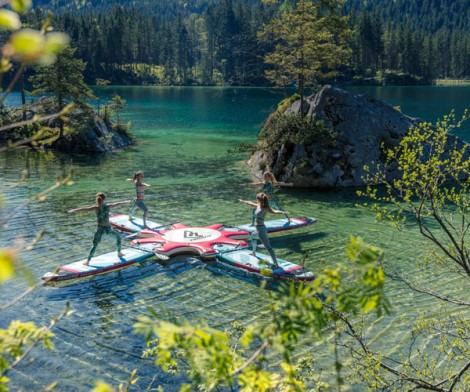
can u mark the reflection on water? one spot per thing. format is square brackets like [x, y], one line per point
[185, 136]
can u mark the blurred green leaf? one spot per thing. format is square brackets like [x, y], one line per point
[27, 45]
[102, 387]
[56, 42]
[21, 6]
[7, 270]
[33, 47]
[9, 20]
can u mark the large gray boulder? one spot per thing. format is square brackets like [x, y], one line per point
[364, 125]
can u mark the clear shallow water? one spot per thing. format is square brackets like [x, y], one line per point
[184, 135]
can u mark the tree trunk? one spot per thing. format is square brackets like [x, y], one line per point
[61, 123]
[23, 96]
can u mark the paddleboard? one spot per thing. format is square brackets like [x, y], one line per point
[283, 224]
[260, 264]
[121, 222]
[100, 264]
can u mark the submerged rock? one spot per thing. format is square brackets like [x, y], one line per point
[362, 124]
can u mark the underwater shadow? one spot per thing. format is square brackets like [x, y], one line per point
[296, 240]
[121, 282]
[218, 269]
[302, 236]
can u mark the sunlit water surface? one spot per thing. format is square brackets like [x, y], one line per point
[184, 135]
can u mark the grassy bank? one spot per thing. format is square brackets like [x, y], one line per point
[452, 82]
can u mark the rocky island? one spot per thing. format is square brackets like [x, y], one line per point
[85, 131]
[352, 131]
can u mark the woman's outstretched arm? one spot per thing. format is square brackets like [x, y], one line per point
[119, 203]
[248, 203]
[277, 183]
[91, 208]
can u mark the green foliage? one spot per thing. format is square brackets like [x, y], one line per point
[295, 129]
[281, 128]
[18, 335]
[102, 82]
[21, 6]
[7, 264]
[213, 358]
[390, 77]
[30, 47]
[369, 295]
[15, 342]
[309, 42]
[450, 334]
[113, 109]
[124, 129]
[9, 20]
[215, 42]
[286, 103]
[431, 191]
[151, 74]
[404, 42]
[418, 15]
[443, 367]
[432, 188]
[46, 46]
[27, 45]
[63, 79]
[116, 106]
[101, 386]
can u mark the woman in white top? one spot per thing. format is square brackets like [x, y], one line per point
[139, 195]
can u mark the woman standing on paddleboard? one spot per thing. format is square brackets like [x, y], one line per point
[139, 195]
[261, 209]
[104, 227]
[268, 184]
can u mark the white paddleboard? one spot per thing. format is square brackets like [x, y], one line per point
[283, 224]
[262, 264]
[121, 222]
[100, 264]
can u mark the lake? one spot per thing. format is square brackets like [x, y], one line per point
[184, 135]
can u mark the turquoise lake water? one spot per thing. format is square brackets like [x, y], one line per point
[184, 135]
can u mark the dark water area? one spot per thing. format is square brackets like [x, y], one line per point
[184, 135]
[429, 103]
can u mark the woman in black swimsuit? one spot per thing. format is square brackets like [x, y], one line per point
[104, 227]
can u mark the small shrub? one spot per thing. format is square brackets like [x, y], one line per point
[296, 129]
[124, 129]
[287, 102]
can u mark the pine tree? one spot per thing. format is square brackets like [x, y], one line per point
[309, 43]
[64, 80]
